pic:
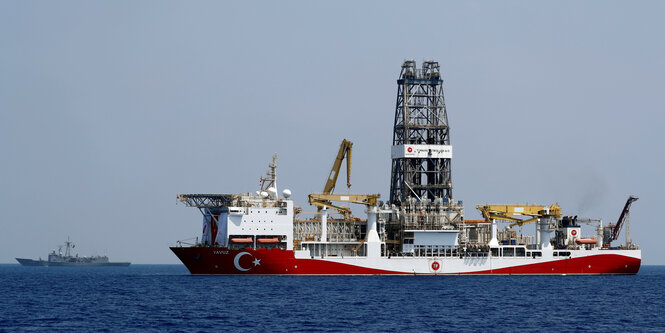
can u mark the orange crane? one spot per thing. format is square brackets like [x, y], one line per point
[514, 213]
[327, 197]
[344, 151]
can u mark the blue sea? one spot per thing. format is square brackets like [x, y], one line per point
[166, 298]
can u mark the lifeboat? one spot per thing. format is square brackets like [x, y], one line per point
[242, 240]
[267, 240]
[586, 240]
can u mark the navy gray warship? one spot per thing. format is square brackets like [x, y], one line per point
[66, 259]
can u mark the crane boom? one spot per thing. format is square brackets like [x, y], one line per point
[622, 217]
[344, 151]
[321, 199]
[513, 213]
[361, 199]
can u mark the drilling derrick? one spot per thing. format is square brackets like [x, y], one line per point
[420, 187]
[421, 150]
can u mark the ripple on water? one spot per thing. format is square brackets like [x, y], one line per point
[166, 298]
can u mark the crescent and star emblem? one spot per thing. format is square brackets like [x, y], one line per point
[236, 261]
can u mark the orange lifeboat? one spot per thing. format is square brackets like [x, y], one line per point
[267, 240]
[586, 240]
[242, 240]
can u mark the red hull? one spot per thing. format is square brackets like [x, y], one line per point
[207, 260]
[591, 265]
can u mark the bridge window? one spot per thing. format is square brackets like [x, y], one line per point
[520, 251]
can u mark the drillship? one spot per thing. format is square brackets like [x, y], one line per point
[66, 259]
[421, 230]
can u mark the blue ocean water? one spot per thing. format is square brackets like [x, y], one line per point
[167, 298]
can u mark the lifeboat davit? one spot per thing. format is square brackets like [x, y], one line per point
[586, 240]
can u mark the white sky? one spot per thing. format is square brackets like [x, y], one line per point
[108, 109]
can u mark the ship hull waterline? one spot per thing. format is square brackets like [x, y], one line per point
[223, 261]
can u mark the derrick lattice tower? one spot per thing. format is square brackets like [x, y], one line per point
[421, 151]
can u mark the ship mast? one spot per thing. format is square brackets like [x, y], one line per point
[68, 245]
[270, 179]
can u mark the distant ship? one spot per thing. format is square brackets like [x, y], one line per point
[66, 259]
